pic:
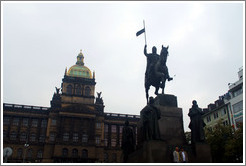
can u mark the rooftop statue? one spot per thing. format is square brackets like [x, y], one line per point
[156, 72]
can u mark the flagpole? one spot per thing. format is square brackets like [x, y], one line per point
[144, 32]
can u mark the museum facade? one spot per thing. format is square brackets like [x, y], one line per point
[74, 129]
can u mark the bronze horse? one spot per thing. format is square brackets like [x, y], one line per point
[159, 74]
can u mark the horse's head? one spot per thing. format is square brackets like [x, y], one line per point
[164, 54]
[164, 50]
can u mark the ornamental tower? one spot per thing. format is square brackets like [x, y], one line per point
[78, 84]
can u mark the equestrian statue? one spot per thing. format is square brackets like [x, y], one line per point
[156, 70]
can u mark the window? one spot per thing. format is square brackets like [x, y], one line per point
[225, 123]
[84, 153]
[113, 142]
[34, 122]
[16, 121]
[40, 154]
[25, 122]
[13, 136]
[105, 142]
[23, 136]
[208, 118]
[98, 140]
[75, 152]
[52, 137]
[105, 128]
[223, 112]
[238, 92]
[238, 121]
[75, 137]
[113, 128]
[69, 89]
[33, 137]
[215, 115]
[19, 153]
[84, 138]
[6, 120]
[64, 152]
[53, 122]
[87, 91]
[105, 157]
[66, 137]
[44, 123]
[121, 129]
[42, 138]
[78, 90]
[98, 125]
[238, 107]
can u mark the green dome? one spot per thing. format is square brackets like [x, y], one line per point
[79, 70]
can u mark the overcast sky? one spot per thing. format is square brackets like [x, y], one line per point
[40, 40]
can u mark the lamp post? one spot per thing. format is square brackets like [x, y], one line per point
[26, 145]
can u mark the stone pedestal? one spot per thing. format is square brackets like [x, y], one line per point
[172, 135]
[170, 123]
[202, 153]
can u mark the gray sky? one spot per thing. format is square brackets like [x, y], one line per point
[40, 40]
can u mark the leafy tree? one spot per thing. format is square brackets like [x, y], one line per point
[226, 143]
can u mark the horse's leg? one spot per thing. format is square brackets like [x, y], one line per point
[163, 85]
[156, 90]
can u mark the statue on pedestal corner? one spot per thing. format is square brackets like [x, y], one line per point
[150, 116]
[196, 123]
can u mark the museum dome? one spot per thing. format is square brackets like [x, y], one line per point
[79, 70]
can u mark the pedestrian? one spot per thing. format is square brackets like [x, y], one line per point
[183, 155]
[176, 156]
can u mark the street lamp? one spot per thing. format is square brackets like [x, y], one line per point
[26, 145]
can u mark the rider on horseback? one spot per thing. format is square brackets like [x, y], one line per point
[152, 59]
[156, 70]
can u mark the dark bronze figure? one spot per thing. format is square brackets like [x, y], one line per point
[156, 70]
[99, 99]
[196, 124]
[57, 90]
[128, 142]
[150, 116]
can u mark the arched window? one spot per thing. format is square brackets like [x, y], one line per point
[87, 91]
[105, 157]
[40, 154]
[78, 90]
[84, 153]
[114, 157]
[69, 89]
[75, 152]
[19, 153]
[29, 153]
[64, 152]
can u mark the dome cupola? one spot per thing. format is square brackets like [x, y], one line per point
[79, 70]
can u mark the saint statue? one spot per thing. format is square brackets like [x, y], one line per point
[196, 123]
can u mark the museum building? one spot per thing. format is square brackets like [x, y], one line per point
[73, 129]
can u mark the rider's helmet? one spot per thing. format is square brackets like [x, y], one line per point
[154, 50]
